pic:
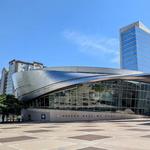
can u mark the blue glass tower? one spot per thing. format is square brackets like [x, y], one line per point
[135, 47]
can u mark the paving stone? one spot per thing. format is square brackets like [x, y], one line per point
[146, 136]
[9, 128]
[50, 127]
[17, 138]
[136, 129]
[37, 131]
[90, 137]
[88, 126]
[92, 148]
[90, 130]
[26, 125]
[147, 124]
[128, 126]
[67, 137]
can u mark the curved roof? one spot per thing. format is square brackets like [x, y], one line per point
[31, 84]
[86, 69]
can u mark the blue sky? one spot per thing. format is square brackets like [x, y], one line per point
[66, 32]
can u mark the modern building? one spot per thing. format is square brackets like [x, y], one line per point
[82, 93]
[15, 66]
[86, 93]
[4, 75]
[135, 47]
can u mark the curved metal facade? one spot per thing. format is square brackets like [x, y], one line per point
[32, 84]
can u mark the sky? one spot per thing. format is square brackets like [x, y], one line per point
[66, 32]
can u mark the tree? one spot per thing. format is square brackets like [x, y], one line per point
[3, 106]
[9, 105]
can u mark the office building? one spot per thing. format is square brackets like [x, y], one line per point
[135, 47]
[4, 76]
[7, 86]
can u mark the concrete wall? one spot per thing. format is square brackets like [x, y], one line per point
[48, 115]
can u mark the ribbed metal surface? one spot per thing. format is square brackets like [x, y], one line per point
[31, 84]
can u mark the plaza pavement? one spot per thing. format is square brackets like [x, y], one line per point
[104, 135]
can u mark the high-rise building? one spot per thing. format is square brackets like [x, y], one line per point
[135, 47]
[3, 81]
[7, 86]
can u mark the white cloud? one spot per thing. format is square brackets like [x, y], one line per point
[96, 46]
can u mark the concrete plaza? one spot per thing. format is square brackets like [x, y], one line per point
[104, 135]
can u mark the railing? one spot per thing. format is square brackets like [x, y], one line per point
[11, 118]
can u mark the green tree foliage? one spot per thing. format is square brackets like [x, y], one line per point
[9, 105]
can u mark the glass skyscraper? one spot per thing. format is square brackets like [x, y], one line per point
[135, 47]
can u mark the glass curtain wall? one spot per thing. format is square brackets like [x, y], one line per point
[129, 49]
[113, 95]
